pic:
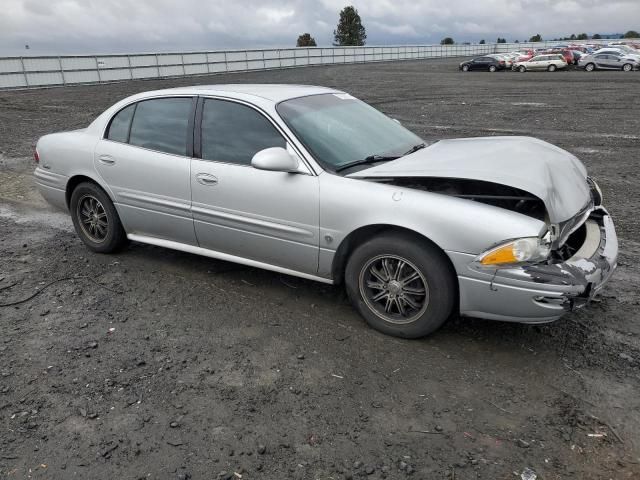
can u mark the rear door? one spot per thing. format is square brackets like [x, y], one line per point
[144, 158]
[267, 216]
[602, 60]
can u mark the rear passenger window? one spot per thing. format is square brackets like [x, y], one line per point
[234, 133]
[119, 127]
[161, 124]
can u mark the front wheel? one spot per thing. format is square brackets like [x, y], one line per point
[522, 69]
[551, 68]
[589, 67]
[402, 285]
[95, 219]
[465, 68]
[627, 67]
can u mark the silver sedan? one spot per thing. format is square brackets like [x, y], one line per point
[312, 182]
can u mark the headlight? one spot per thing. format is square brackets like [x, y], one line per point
[530, 249]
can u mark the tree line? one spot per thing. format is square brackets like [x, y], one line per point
[350, 32]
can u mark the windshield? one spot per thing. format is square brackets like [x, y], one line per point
[338, 129]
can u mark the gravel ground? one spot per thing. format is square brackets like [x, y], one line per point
[159, 364]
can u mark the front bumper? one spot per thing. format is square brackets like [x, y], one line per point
[544, 292]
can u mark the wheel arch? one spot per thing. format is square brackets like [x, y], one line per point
[76, 180]
[364, 233]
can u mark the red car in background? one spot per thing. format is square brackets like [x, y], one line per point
[526, 55]
[565, 52]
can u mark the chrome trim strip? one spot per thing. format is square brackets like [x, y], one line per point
[155, 201]
[223, 256]
[252, 221]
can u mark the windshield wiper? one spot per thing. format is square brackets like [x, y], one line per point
[366, 161]
[415, 148]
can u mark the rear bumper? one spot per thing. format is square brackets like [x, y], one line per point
[541, 293]
[52, 187]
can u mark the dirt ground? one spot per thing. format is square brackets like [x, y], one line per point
[158, 364]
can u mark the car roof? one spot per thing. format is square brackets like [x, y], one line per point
[273, 92]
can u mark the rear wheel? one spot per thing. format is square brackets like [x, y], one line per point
[589, 67]
[401, 285]
[627, 67]
[522, 69]
[551, 68]
[95, 219]
[492, 68]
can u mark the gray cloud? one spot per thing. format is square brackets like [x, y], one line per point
[92, 26]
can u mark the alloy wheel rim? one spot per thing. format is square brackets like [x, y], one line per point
[394, 289]
[93, 218]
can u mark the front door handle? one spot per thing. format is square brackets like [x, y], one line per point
[106, 159]
[206, 179]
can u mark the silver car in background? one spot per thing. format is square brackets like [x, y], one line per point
[610, 60]
[310, 181]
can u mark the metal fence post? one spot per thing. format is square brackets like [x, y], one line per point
[130, 67]
[24, 72]
[98, 69]
[61, 71]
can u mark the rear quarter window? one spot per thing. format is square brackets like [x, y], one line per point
[118, 130]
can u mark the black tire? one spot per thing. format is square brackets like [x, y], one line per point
[627, 67]
[492, 68]
[522, 68]
[95, 219]
[465, 68]
[434, 272]
[589, 67]
[551, 68]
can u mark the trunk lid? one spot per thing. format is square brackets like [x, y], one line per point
[550, 173]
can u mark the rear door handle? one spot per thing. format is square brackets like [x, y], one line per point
[206, 179]
[106, 159]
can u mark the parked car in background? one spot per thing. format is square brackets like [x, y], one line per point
[565, 52]
[508, 62]
[548, 62]
[484, 64]
[312, 182]
[525, 55]
[621, 50]
[609, 61]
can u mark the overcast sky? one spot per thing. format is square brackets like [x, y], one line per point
[105, 26]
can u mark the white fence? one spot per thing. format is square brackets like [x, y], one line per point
[46, 71]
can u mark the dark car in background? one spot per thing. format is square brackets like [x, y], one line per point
[485, 64]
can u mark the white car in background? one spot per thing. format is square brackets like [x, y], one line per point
[550, 62]
[508, 61]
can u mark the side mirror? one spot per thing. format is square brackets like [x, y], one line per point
[276, 159]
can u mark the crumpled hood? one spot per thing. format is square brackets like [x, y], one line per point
[550, 173]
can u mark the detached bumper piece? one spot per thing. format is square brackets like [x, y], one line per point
[543, 293]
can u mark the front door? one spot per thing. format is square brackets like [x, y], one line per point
[143, 158]
[271, 217]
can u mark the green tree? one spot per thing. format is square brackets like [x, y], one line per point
[631, 34]
[516, 41]
[447, 41]
[306, 40]
[572, 37]
[583, 36]
[482, 42]
[350, 31]
[597, 36]
[501, 40]
[536, 38]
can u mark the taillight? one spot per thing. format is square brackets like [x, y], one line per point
[36, 155]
